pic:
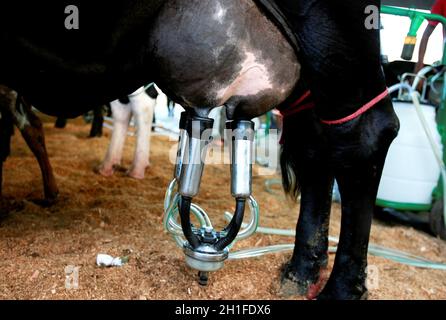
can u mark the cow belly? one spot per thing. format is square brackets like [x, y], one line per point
[66, 72]
[226, 52]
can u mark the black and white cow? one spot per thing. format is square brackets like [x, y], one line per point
[16, 110]
[240, 54]
[140, 105]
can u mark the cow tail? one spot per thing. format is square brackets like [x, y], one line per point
[288, 161]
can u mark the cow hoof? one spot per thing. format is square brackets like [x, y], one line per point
[328, 294]
[138, 175]
[49, 200]
[44, 203]
[95, 135]
[292, 285]
[137, 172]
[8, 206]
[104, 171]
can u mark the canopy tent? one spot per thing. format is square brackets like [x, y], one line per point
[419, 4]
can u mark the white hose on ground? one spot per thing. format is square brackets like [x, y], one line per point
[375, 250]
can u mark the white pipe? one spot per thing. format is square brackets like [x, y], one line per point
[274, 231]
[375, 249]
[421, 75]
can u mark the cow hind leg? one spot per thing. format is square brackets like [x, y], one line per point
[359, 152]
[121, 113]
[31, 129]
[343, 75]
[98, 122]
[60, 123]
[305, 167]
[143, 109]
[7, 104]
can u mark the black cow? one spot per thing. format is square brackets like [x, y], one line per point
[237, 53]
[97, 121]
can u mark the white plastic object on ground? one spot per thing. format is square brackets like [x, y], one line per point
[105, 260]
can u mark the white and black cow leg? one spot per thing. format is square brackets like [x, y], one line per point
[142, 108]
[121, 117]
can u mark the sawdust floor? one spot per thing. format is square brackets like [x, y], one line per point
[122, 216]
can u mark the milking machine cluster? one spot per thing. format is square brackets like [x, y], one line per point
[205, 248]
